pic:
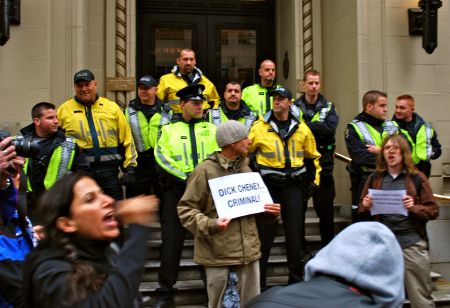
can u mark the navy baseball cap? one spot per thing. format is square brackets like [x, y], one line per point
[147, 81]
[85, 75]
[282, 92]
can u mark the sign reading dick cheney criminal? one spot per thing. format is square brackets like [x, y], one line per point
[239, 195]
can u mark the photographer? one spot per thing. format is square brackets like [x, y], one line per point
[55, 155]
[15, 235]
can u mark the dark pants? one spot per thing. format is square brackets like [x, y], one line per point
[144, 186]
[323, 201]
[358, 182]
[108, 180]
[147, 181]
[290, 198]
[173, 234]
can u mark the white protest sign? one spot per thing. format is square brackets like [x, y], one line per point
[239, 194]
[388, 202]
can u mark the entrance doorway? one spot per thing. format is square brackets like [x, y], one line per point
[229, 45]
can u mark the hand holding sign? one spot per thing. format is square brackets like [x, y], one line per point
[272, 209]
[240, 195]
[388, 202]
[222, 224]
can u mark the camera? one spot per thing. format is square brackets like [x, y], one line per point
[25, 146]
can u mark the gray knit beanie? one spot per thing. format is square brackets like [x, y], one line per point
[231, 132]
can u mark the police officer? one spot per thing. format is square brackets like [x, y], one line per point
[181, 147]
[281, 143]
[320, 115]
[363, 138]
[257, 96]
[100, 129]
[185, 73]
[420, 134]
[57, 155]
[232, 107]
[145, 116]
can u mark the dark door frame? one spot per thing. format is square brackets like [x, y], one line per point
[220, 15]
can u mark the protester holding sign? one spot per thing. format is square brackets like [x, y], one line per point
[395, 171]
[222, 244]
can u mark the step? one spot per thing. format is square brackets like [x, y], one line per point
[188, 250]
[311, 228]
[311, 223]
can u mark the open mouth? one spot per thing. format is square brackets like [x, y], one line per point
[110, 220]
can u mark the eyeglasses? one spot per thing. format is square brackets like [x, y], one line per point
[395, 147]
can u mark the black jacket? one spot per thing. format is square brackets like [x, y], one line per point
[46, 272]
[356, 148]
[321, 292]
[324, 132]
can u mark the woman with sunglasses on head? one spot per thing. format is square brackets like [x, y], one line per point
[395, 171]
[74, 266]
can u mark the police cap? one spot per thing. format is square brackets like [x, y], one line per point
[193, 91]
[147, 81]
[282, 92]
[85, 75]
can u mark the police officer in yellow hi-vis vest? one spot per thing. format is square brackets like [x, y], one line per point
[232, 107]
[257, 96]
[363, 138]
[185, 73]
[100, 129]
[280, 143]
[420, 134]
[58, 155]
[320, 115]
[146, 115]
[181, 147]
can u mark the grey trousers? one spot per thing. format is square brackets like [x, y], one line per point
[217, 278]
[417, 275]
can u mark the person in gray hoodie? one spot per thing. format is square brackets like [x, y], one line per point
[361, 267]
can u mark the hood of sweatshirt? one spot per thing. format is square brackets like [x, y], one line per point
[367, 255]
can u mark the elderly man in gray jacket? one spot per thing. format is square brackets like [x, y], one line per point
[221, 244]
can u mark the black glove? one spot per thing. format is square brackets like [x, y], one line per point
[309, 192]
[129, 176]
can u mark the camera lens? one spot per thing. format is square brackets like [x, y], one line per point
[26, 146]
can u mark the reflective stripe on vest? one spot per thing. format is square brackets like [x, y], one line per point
[364, 133]
[166, 117]
[216, 119]
[390, 128]
[67, 147]
[322, 114]
[250, 119]
[428, 136]
[318, 116]
[136, 129]
[295, 110]
[421, 148]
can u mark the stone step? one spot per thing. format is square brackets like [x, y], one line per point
[311, 228]
[277, 248]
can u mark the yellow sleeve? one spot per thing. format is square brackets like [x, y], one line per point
[161, 90]
[126, 139]
[310, 151]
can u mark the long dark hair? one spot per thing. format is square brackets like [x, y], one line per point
[55, 203]
[408, 164]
